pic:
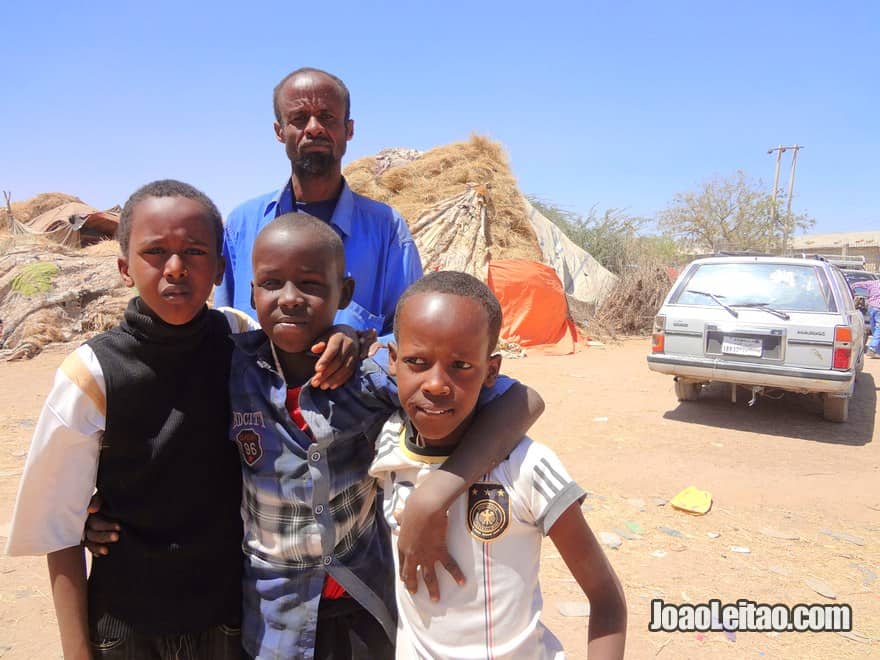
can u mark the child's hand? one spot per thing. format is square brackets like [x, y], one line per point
[422, 543]
[340, 350]
[99, 531]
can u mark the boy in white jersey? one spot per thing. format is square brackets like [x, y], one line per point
[446, 328]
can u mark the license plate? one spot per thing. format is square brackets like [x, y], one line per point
[742, 346]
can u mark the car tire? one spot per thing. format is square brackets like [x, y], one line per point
[835, 408]
[686, 391]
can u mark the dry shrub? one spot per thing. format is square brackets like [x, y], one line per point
[444, 172]
[631, 307]
[103, 248]
[39, 329]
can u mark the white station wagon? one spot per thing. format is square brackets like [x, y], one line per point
[763, 323]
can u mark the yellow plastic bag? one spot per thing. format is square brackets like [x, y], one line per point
[693, 500]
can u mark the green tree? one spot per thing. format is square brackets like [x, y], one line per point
[613, 238]
[732, 213]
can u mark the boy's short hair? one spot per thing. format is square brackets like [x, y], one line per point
[326, 235]
[456, 283]
[167, 188]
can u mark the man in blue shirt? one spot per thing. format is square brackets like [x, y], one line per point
[312, 120]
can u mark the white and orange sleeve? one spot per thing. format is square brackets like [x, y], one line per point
[62, 463]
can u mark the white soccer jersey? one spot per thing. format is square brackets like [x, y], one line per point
[62, 464]
[495, 533]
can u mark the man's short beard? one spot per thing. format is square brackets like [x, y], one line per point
[314, 165]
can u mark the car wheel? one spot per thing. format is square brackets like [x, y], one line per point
[835, 408]
[686, 391]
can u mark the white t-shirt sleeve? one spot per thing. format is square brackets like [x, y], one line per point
[543, 482]
[238, 321]
[62, 464]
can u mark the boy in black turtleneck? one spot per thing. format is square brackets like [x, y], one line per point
[142, 413]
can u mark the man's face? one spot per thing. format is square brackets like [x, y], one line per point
[172, 257]
[297, 288]
[313, 126]
[441, 362]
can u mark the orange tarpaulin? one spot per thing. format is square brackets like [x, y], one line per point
[533, 304]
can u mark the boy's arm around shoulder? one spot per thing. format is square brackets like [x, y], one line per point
[496, 430]
[588, 564]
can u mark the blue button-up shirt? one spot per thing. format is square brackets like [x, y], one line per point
[379, 251]
[309, 506]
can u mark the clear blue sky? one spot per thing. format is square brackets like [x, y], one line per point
[613, 104]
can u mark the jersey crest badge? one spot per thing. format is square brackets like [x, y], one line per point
[488, 511]
[250, 446]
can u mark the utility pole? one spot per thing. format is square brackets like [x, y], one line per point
[786, 227]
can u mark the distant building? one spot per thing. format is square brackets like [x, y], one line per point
[855, 243]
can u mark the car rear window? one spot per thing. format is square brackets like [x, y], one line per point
[780, 286]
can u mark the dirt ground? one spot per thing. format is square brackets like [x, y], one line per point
[774, 470]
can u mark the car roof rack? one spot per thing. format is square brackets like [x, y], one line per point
[850, 262]
[740, 253]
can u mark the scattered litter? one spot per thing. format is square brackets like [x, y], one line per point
[671, 532]
[717, 444]
[856, 637]
[741, 549]
[779, 570]
[868, 576]
[26, 423]
[634, 527]
[678, 548]
[659, 554]
[700, 637]
[777, 534]
[659, 501]
[843, 536]
[685, 597]
[693, 500]
[713, 535]
[610, 539]
[625, 533]
[730, 633]
[574, 608]
[20, 453]
[637, 503]
[820, 587]
[595, 344]
[600, 419]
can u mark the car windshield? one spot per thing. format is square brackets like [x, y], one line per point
[779, 286]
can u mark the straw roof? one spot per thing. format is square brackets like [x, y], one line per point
[412, 182]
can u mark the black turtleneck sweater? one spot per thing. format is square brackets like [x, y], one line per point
[170, 476]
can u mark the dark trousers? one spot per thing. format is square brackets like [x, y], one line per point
[218, 643]
[346, 630]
